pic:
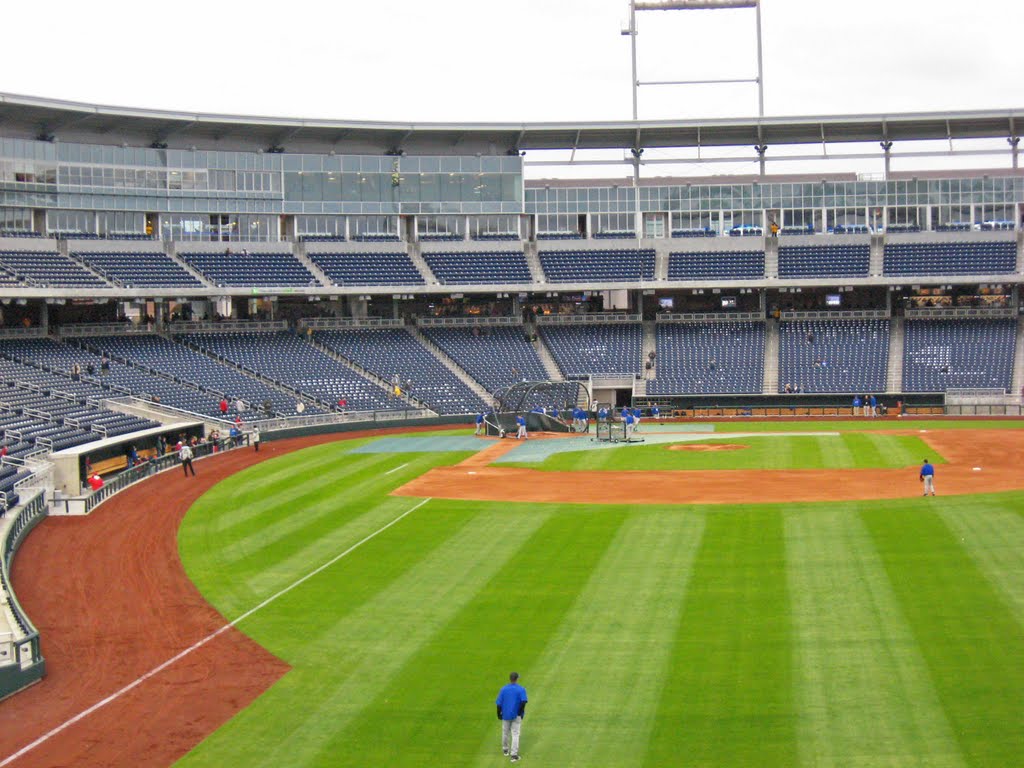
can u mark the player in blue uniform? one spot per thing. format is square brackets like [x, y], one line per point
[521, 433]
[479, 424]
[511, 705]
[928, 478]
[655, 412]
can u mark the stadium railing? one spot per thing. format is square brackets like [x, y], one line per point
[26, 664]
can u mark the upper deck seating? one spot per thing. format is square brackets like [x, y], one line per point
[593, 265]
[370, 268]
[479, 267]
[715, 265]
[824, 260]
[988, 257]
[140, 270]
[50, 268]
[250, 269]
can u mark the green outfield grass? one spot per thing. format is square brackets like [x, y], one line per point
[847, 450]
[856, 634]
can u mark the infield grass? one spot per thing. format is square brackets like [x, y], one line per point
[852, 634]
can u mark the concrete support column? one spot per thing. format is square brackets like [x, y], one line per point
[44, 317]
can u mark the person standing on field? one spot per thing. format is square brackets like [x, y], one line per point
[185, 454]
[511, 705]
[928, 478]
[256, 438]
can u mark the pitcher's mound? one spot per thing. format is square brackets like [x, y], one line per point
[706, 447]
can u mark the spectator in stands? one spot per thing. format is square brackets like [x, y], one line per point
[3, 450]
[76, 372]
[90, 369]
[342, 403]
[223, 406]
[810, 337]
[789, 389]
[774, 228]
[104, 365]
[712, 365]
[95, 482]
[240, 405]
[133, 456]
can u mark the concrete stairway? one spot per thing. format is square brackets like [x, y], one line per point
[299, 250]
[649, 345]
[172, 254]
[662, 248]
[770, 383]
[413, 249]
[894, 374]
[771, 257]
[876, 258]
[554, 374]
[450, 364]
[533, 262]
[1018, 360]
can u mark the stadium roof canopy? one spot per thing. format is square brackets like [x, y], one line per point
[32, 117]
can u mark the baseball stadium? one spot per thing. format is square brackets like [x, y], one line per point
[316, 433]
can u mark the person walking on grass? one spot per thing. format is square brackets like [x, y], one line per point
[928, 478]
[511, 703]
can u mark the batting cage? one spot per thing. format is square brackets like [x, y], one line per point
[547, 406]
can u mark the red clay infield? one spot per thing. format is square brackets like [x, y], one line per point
[999, 454]
[111, 599]
[707, 447]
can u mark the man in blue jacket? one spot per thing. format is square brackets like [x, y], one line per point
[511, 705]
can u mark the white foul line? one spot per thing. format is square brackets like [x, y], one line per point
[200, 643]
[397, 468]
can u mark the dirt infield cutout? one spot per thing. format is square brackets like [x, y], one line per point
[707, 447]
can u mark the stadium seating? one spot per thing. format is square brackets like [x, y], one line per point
[824, 260]
[834, 355]
[250, 269]
[495, 356]
[186, 364]
[704, 358]
[598, 265]
[119, 380]
[694, 232]
[939, 354]
[368, 268]
[962, 257]
[580, 350]
[140, 270]
[391, 352]
[479, 267]
[715, 265]
[50, 268]
[290, 359]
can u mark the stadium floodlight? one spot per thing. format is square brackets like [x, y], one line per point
[694, 5]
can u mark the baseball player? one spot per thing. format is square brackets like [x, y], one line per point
[656, 412]
[874, 405]
[856, 405]
[928, 478]
[521, 433]
[630, 419]
[479, 424]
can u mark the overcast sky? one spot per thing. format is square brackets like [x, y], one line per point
[534, 60]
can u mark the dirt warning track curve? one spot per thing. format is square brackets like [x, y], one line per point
[111, 601]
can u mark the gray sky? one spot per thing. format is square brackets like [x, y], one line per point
[536, 60]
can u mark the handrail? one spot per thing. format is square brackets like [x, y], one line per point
[227, 326]
[956, 312]
[27, 654]
[708, 317]
[587, 319]
[327, 323]
[432, 322]
[837, 314]
[102, 329]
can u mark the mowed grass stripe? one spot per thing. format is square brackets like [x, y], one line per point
[293, 521]
[965, 631]
[995, 540]
[305, 484]
[598, 684]
[372, 643]
[728, 694]
[290, 470]
[864, 691]
[368, 642]
[440, 708]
